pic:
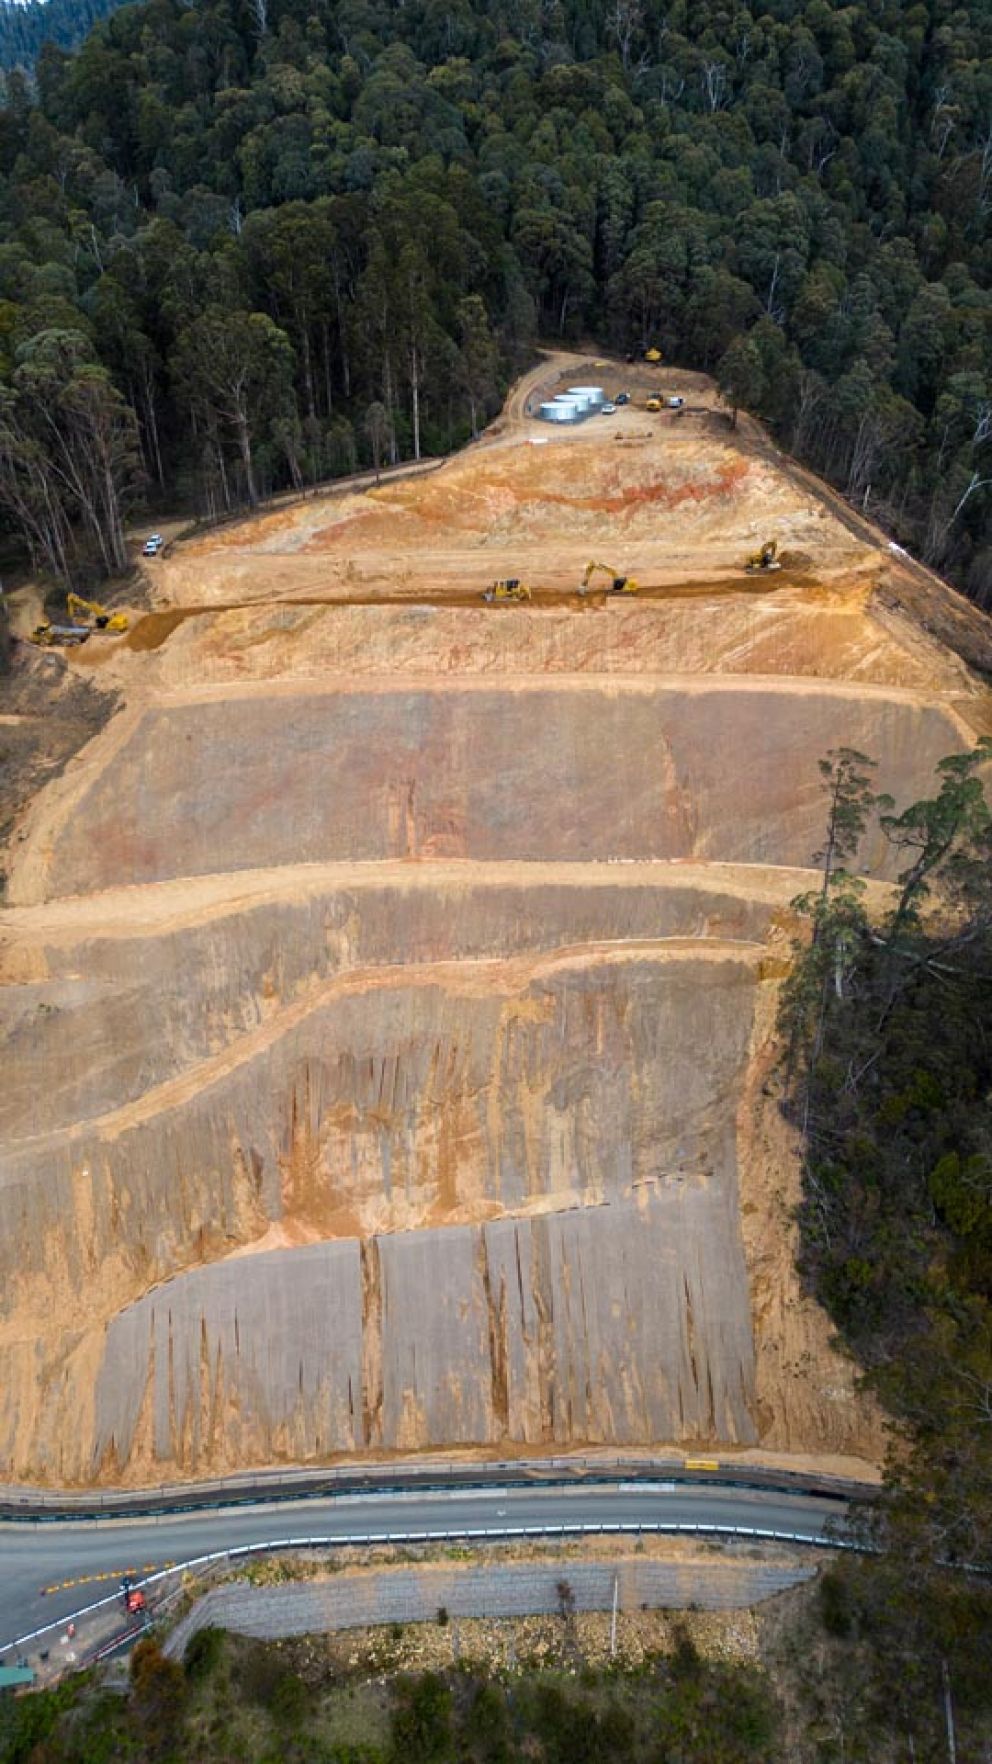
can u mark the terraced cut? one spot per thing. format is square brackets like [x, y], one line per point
[389, 988]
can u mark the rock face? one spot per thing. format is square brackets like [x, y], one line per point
[389, 989]
[571, 775]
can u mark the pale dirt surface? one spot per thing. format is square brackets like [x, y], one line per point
[389, 988]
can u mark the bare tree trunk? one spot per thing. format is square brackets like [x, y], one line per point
[387, 388]
[326, 352]
[952, 1745]
[415, 397]
[151, 430]
[244, 445]
[307, 368]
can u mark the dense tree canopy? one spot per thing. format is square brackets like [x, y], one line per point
[888, 1022]
[382, 206]
[26, 24]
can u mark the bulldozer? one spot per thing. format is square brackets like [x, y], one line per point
[618, 584]
[653, 357]
[508, 588]
[761, 561]
[102, 620]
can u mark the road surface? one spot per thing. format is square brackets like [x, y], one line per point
[51, 1554]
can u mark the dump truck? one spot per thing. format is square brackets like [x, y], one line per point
[618, 584]
[48, 636]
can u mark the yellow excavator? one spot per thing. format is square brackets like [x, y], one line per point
[761, 561]
[508, 588]
[102, 620]
[618, 584]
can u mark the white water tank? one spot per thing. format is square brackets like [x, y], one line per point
[594, 396]
[560, 413]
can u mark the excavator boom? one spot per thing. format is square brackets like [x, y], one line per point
[103, 620]
[618, 584]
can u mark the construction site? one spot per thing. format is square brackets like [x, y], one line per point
[389, 986]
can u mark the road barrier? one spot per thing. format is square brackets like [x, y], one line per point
[26, 1505]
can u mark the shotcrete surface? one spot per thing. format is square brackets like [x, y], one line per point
[389, 988]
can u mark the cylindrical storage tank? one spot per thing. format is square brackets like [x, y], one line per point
[575, 409]
[558, 413]
[580, 402]
[594, 395]
[567, 411]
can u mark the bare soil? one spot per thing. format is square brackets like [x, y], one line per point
[390, 986]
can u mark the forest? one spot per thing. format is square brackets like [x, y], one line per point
[26, 24]
[249, 244]
[888, 1076]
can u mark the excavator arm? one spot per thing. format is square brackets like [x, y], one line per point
[103, 620]
[618, 584]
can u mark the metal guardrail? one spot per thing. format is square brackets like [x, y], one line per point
[483, 1533]
[26, 1505]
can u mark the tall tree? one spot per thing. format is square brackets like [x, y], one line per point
[238, 369]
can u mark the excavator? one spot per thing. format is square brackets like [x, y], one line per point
[78, 608]
[509, 588]
[765, 559]
[86, 616]
[618, 584]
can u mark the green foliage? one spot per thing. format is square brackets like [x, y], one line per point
[26, 24]
[889, 1076]
[422, 1731]
[158, 1694]
[26, 1722]
[485, 1729]
[204, 1652]
[684, 1710]
[387, 207]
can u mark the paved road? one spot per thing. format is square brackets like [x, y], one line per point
[33, 1556]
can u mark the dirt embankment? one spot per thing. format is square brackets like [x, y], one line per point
[389, 990]
[49, 713]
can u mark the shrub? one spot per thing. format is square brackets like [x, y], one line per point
[203, 1653]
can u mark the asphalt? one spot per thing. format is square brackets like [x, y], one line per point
[67, 1557]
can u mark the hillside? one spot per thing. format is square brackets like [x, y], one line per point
[250, 244]
[26, 25]
[390, 985]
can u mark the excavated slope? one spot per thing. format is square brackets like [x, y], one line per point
[389, 989]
